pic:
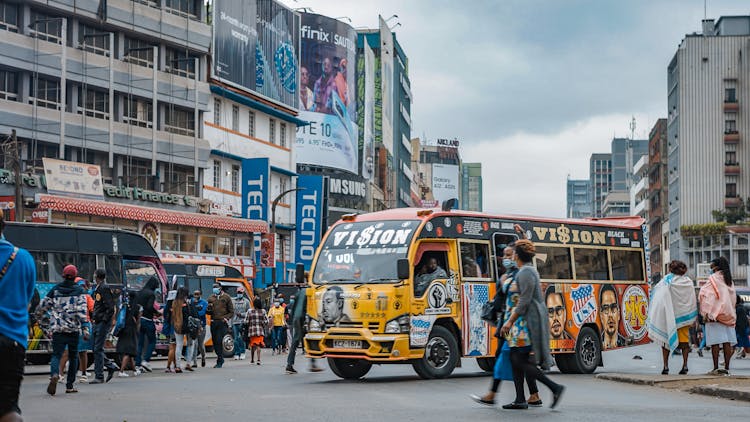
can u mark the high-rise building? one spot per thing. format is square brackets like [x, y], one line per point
[658, 214]
[708, 127]
[639, 204]
[625, 153]
[578, 198]
[471, 186]
[600, 175]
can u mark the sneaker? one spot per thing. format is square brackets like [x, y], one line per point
[723, 371]
[714, 372]
[52, 387]
[556, 396]
[218, 365]
[236, 357]
[137, 372]
[147, 366]
[700, 352]
[97, 381]
[123, 375]
[290, 370]
[70, 390]
[242, 356]
[110, 374]
[83, 379]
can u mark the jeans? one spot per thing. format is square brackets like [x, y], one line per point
[146, 332]
[239, 342]
[199, 345]
[277, 336]
[59, 341]
[218, 331]
[179, 343]
[522, 368]
[99, 335]
[12, 357]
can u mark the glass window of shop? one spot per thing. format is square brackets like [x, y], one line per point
[178, 238]
[207, 244]
[244, 245]
[224, 243]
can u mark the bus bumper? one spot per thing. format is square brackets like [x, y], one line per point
[358, 344]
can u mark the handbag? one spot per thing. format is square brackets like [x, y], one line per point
[488, 312]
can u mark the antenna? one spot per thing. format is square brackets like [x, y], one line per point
[632, 129]
[705, 9]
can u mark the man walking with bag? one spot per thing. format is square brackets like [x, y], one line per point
[221, 310]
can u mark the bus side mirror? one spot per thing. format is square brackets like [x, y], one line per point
[299, 274]
[403, 268]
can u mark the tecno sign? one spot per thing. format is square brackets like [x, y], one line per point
[347, 187]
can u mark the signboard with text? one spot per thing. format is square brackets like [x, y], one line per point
[76, 180]
[255, 190]
[309, 218]
[445, 182]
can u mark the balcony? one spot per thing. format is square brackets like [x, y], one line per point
[731, 137]
[731, 168]
[731, 105]
[732, 201]
[640, 188]
[640, 208]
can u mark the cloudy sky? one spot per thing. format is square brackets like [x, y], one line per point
[532, 88]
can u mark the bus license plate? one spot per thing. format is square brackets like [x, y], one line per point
[347, 344]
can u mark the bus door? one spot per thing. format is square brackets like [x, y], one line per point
[477, 288]
[435, 288]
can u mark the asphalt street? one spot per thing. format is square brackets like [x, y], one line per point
[240, 391]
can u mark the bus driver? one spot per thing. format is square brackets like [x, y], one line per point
[432, 271]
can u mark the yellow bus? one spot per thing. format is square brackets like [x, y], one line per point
[408, 285]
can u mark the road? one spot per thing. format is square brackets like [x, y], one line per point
[240, 392]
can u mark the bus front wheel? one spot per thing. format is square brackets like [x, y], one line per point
[486, 364]
[349, 369]
[588, 351]
[440, 355]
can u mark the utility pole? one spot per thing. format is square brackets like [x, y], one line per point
[273, 232]
[17, 171]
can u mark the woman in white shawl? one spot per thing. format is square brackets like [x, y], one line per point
[671, 313]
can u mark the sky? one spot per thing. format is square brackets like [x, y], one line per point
[533, 88]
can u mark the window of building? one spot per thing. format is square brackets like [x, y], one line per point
[184, 8]
[244, 247]
[553, 262]
[180, 121]
[731, 190]
[8, 85]
[207, 244]
[730, 126]
[282, 134]
[272, 131]
[235, 118]
[138, 112]
[251, 123]
[45, 93]
[45, 27]
[474, 260]
[217, 112]
[93, 40]
[730, 95]
[217, 174]
[236, 178]
[93, 103]
[591, 264]
[627, 265]
[9, 16]
[742, 258]
[180, 62]
[180, 180]
[730, 157]
[138, 52]
[137, 173]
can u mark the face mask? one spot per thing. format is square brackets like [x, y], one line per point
[508, 263]
[217, 291]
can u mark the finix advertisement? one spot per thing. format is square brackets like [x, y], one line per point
[327, 96]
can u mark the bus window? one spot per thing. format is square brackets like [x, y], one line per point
[137, 274]
[86, 266]
[114, 270]
[502, 241]
[591, 264]
[553, 262]
[627, 265]
[474, 262]
[433, 265]
[59, 260]
[42, 266]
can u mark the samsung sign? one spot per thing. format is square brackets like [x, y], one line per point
[347, 187]
[255, 181]
[309, 218]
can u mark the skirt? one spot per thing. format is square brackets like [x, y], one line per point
[257, 341]
[718, 333]
[683, 334]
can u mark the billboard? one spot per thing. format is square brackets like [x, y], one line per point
[327, 97]
[445, 182]
[78, 180]
[255, 190]
[386, 83]
[368, 146]
[256, 48]
[309, 225]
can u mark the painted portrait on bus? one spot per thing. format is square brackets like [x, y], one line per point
[609, 316]
[557, 313]
[332, 307]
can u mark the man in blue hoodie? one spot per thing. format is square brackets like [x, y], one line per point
[17, 283]
[64, 311]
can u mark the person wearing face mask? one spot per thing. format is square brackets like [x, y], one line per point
[241, 307]
[276, 318]
[221, 309]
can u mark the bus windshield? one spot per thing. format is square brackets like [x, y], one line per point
[363, 252]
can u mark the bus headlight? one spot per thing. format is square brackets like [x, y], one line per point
[313, 326]
[397, 325]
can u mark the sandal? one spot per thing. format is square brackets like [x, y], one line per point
[178, 370]
[683, 371]
[665, 371]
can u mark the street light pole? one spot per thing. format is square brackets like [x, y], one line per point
[273, 229]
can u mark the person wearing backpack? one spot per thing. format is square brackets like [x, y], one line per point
[127, 336]
[104, 312]
[192, 324]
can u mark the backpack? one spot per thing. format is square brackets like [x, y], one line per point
[193, 322]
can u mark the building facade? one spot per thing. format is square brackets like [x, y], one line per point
[600, 175]
[658, 213]
[471, 187]
[708, 125]
[639, 199]
[578, 202]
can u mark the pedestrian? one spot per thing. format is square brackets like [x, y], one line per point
[503, 303]
[167, 329]
[102, 315]
[742, 329]
[717, 306]
[671, 313]
[127, 338]
[84, 345]
[147, 330]
[180, 314]
[297, 313]
[201, 306]
[241, 307]
[65, 305]
[17, 288]
[527, 328]
[276, 318]
[257, 324]
[221, 309]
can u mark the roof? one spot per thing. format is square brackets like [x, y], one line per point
[154, 215]
[193, 261]
[411, 214]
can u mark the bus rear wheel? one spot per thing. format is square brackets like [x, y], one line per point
[440, 355]
[350, 369]
[486, 364]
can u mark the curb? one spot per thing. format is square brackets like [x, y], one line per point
[725, 393]
[625, 378]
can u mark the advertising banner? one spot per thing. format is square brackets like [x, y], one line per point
[368, 147]
[309, 218]
[386, 84]
[76, 180]
[255, 190]
[445, 182]
[8, 205]
[256, 48]
[327, 94]
[267, 250]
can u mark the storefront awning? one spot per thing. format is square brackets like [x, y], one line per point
[154, 215]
